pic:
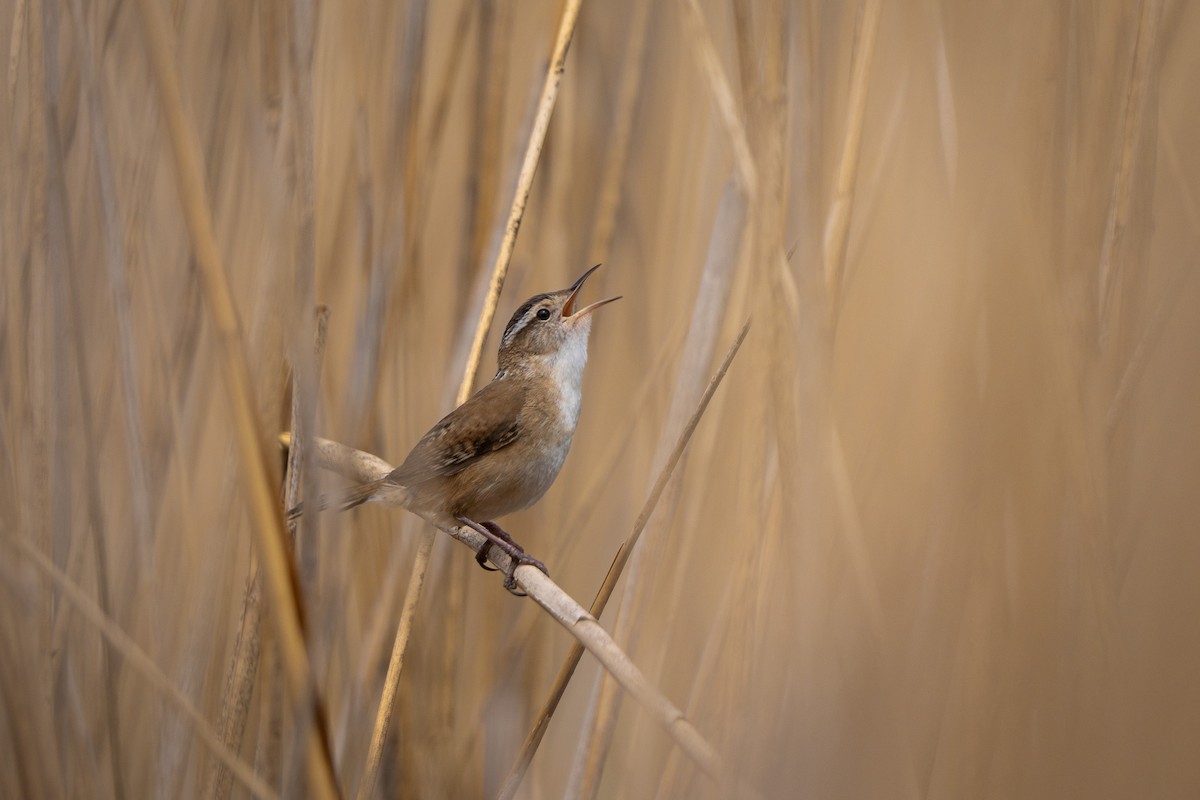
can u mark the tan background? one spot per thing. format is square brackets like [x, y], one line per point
[937, 534]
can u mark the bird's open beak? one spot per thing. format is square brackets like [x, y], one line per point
[568, 309]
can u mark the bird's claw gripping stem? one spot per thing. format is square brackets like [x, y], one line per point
[499, 538]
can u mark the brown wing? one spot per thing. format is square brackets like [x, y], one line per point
[487, 422]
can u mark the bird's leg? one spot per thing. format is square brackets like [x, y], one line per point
[503, 534]
[482, 553]
[497, 537]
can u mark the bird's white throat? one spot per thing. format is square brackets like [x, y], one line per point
[566, 370]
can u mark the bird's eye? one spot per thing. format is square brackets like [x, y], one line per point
[543, 313]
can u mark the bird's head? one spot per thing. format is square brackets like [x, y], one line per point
[549, 325]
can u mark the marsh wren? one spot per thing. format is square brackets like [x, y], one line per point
[500, 450]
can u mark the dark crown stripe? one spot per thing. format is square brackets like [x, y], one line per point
[520, 317]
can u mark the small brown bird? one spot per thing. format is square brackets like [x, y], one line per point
[500, 450]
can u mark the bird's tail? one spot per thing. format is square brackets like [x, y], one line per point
[341, 500]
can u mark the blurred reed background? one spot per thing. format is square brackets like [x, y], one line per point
[935, 536]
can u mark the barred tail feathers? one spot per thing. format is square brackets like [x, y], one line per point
[341, 500]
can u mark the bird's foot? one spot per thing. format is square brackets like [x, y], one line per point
[482, 554]
[521, 559]
[497, 537]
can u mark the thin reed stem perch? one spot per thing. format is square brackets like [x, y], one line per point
[533, 150]
[363, 467]
[567, 670]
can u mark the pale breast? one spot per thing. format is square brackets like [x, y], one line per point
[566, 373]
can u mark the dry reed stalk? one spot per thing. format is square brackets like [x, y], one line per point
[391, 243]
[700, 39]
[32, 759]
[584, 505]
[671, 781]
[402, 168]
[748, 46]
[837, 224]
[708, 312]
[137, 658]
[1122, 189]
[387, 702]
[239, 682]
[947, 111]
[608, 202]
[480, 196]
[770, 288]
[534, 738]
[413, 52]
[362, 467]
[307, 344]
[114, 261]
[14, 47]
[486, 121]
[247, 648]
[533, 151]
[38, 349]
[268, 751]
[109, 669]
[256, 464]
[1182, 276]
[68, 308]
[435, 137]
[870, 198]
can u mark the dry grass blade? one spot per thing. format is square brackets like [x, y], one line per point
[1122, 189]
[585, 504]
[137, 658]
[930, 487]
[706, 53]
[1162, 310]
[435, 136]
[837, 225]
[364, 467]
[533, 151]
[608, 201]
[14, 46]
[71, 314]
[387, 703]
[243, 668]
[256, 464]
[239, 682]
[517, 773]
[671, 779]
[707, 316]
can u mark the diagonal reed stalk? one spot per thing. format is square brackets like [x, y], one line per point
[608, 202]
[137, 658]
[1120, 201]
[243, 668]
[362, 467]
[257, 466]
[533, 150]
[1134, 367]
[534, 738]
[837, 223]
[70, 312]
[708, 312]
[705, 50]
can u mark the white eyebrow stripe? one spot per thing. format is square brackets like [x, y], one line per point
[522, 316]
[515, 328]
